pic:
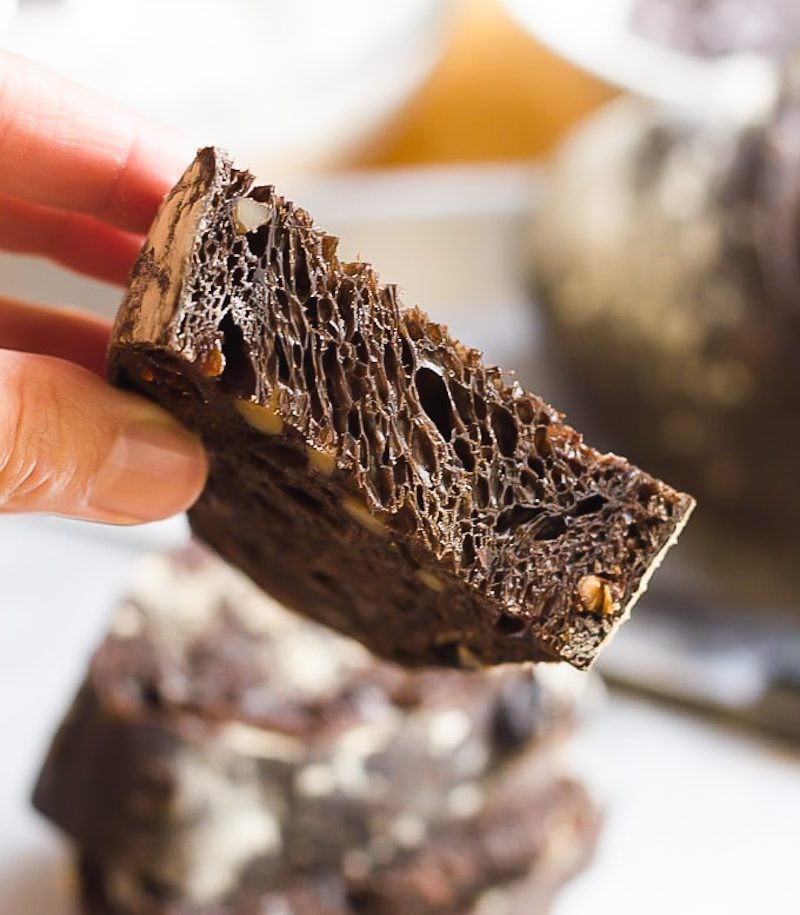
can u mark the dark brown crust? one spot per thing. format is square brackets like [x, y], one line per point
[392, 486]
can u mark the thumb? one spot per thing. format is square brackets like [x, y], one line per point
[72, 445]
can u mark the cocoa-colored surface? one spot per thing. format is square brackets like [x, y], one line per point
[367, 469]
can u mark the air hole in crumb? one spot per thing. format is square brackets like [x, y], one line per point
[468, 553]
[390, 363]
[284, 372]
[511, 518]
[302, 279]
[525, 411]
[407, 356]
[354, 422]
[482, 492]
[238, 374]
[589, 505]
[464, 451]
[536, 464]
[435, 400]
[362, 350]
[463, 401]
[424, 451]
[505, 430]
[309, 370]
[506, 624]
[257, 241]
[551, 528]
[646, 492]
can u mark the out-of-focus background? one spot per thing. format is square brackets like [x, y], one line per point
[602, 194]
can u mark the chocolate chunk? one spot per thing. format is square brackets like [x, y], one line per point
[367, 469]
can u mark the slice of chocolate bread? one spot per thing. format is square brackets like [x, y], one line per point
[366, 469]
[508, 861]
[224, 756]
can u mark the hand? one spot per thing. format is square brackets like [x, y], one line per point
[80, 182]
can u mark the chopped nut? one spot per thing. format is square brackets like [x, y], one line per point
[211, 363]
[322, 461]
[468, 660]
[430, 580]
[595, 595]
[262, 418]
[361, 514]
[249, 215]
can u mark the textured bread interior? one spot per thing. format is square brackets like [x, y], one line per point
[368, 469]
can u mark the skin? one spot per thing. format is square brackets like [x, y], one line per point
[80, 182]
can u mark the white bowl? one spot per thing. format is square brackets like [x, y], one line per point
[284, 84]
[596, 36]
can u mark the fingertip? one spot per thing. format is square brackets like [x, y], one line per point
[154, 469]
[72, 445]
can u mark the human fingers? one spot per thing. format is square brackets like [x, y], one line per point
[68, 334]
[72, 445]
[74, 240]
[64, 146]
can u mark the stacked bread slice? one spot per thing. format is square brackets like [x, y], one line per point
[224, 757]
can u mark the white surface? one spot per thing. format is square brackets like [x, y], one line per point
[596, 35]
[59, 582]
[700, 820]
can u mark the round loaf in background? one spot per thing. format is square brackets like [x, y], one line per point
[665, 258]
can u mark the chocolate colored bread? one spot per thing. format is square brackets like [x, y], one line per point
[366, 469]
[224, 756]
[510, 861]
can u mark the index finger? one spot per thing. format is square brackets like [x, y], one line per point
[65, 146]
[62, 332]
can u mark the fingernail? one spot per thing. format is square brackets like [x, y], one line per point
[154, 470]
